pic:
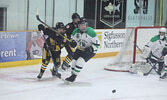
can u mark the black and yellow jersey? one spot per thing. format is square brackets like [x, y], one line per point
[70, 27]
[54, 39]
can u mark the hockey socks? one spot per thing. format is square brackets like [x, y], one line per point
[42, 70]
[65, 64]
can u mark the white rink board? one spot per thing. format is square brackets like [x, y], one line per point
[111, 39]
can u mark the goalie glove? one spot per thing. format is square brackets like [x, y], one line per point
[164, 51]
[145, 52]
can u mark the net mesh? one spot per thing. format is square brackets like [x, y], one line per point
[128, 57]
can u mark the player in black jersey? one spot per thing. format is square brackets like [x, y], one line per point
[69, 29]
[52, 48]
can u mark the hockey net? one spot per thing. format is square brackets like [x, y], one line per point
[129, 55]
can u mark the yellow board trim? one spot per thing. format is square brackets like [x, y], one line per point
[37, 61]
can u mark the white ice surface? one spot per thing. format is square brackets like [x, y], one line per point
[93, 83]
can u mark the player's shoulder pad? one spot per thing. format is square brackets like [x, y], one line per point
[155, 38]
[75, 31]
[91, 32]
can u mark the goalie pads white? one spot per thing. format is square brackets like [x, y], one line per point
[145, 52]
[139, 67]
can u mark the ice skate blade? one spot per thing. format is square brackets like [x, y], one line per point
[66, 82]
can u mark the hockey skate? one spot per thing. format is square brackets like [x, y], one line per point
[65, 66]
[163, 75]
[40, 74]
[71, 78]
[55, 73]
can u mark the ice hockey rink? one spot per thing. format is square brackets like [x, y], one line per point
[93, 83]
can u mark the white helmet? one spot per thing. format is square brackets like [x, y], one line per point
[163, 30]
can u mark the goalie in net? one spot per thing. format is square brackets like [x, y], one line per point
[129, 59]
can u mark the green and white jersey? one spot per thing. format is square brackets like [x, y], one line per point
[87, 39]
[156, 45]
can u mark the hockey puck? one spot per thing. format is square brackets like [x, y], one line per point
[113, 91]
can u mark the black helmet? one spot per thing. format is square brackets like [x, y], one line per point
[82, 20]
[59, 25]
[75, 15]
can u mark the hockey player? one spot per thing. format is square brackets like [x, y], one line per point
[73, 25]
[87, 39]
[69, 29]
[52, 48]
[156, 50]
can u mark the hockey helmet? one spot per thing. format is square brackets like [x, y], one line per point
[75, 15]
[80, 24]
[162, 30]
[60, 25]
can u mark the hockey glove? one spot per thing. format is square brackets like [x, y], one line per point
[73, 43]
[164, 51]
[41, 27]
[88, 51]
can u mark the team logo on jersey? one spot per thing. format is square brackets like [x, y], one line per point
[83, 44]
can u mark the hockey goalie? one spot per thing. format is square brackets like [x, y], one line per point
[155, 52]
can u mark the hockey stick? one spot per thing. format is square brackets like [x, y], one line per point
[46, 43]
[137, 46]
[152, 66]
[37, 16]
[96, 44]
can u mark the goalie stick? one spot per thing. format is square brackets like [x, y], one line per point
[153, 67]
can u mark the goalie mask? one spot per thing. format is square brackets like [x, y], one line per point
[83, 24]
[162, 33]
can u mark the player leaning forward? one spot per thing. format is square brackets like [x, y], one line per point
[86, 38]
[156, 51]
[52, 48]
